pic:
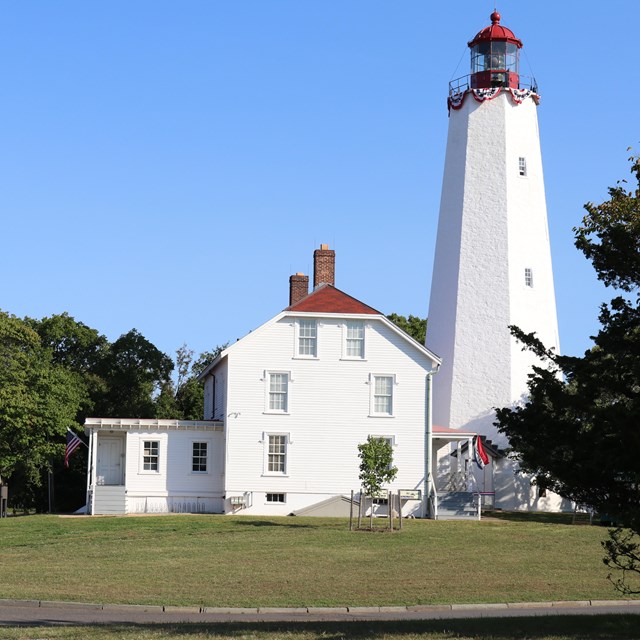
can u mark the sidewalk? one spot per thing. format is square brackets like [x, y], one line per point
[13, 612]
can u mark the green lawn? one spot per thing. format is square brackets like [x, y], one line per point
[597, 627]
[248, 562]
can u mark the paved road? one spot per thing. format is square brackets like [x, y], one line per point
[13, 613]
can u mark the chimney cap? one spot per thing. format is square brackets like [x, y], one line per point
[324, 247]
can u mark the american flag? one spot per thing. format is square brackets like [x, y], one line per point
[73, 442]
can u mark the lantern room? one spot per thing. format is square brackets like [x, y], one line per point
[495, 57]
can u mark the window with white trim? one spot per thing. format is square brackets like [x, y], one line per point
[528, 277]
[307, 338]
[276, 498]
[276, 454]
[354, 340]
[382, 395]
[522, 166]
[278, 393]
[199, 457]
[151, 455]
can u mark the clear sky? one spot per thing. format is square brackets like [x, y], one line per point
[166, 165]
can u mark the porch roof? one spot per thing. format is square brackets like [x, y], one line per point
[130, 424]
[447, 433]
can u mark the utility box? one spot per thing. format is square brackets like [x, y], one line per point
[4, 497]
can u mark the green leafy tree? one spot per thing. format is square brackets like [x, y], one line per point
[413, 325]
[206, 358]
[76, 347]
[134, 371]
[184, 398]
[578, 430]
[39, 400]
[376, 466]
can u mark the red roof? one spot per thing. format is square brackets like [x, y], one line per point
[327, 299]
[496, 32]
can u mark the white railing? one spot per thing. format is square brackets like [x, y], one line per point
[463, 83]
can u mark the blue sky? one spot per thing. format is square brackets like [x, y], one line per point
[166, 165]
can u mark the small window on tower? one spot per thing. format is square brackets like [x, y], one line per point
[522, 166]
[528, 277]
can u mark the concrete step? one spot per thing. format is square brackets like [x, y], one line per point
[457, 505]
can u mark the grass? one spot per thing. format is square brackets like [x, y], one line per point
[597, 627]
[248, 562]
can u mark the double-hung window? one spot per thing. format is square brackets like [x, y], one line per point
[276, 463]
[150, 455]
[307, 338]
[199, 457]
[278, 394]
[528, 277]
[522, 166]
[382, 395]
[354, 339]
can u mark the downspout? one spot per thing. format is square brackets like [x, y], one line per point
[429, 444]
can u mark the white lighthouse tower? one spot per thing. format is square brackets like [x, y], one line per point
[492, 263]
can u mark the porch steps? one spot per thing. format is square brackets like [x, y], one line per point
[457, 505]
[109, 500]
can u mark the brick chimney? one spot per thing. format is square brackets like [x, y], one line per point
[324, 266]
[298, 288]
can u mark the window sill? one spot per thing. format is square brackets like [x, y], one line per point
[380, 415]
[305, 358]
[275, 475]
[346, 359]
[275, 413]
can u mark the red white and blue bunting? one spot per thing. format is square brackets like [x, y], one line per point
[518, 96]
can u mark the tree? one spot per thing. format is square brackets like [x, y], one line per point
[76, 347]
[413, 325]
[39, 400]
[376, 466]
[184, 398]
[578, 430]
[135, 371]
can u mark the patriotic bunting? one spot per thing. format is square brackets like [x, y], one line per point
[518, 96]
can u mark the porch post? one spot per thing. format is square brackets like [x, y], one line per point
[94, 462]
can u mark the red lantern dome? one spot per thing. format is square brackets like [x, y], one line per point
[495, 57]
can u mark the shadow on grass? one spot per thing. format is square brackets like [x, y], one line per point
[269, 523]
[586, 627]
[545, 518]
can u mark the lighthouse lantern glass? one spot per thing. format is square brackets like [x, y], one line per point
[494, 56]
[494, 63]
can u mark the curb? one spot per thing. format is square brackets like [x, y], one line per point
[88, 606]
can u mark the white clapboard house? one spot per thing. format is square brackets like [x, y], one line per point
[286, 407]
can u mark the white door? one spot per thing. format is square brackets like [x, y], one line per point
[109, 467]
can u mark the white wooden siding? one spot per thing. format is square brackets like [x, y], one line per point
[328, 412]
[175, 479]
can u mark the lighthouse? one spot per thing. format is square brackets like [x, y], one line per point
[492, 266]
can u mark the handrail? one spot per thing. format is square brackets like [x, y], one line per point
[476, 492]
[463, 83]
